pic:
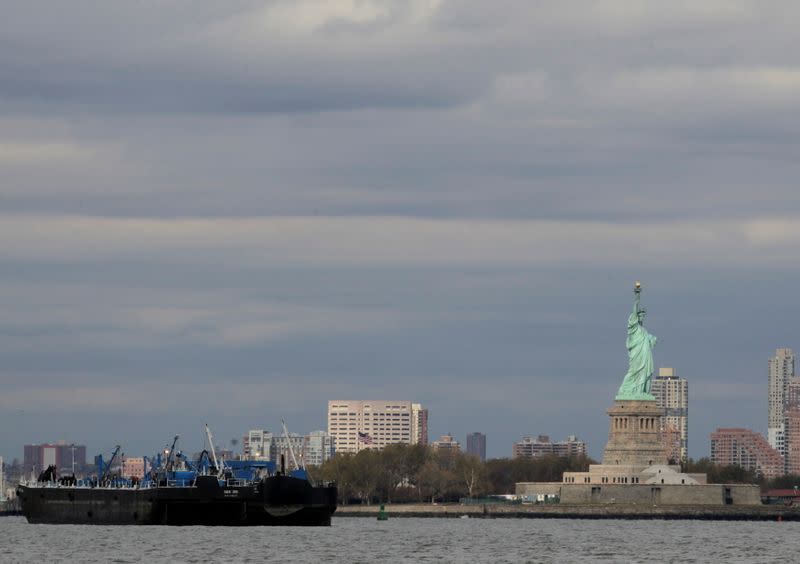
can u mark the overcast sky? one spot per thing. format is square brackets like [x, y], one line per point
[232, 212]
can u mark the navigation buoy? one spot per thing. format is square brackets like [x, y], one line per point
[382, 516]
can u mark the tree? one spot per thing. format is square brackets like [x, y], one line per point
[393, 468]
[415, 458]
[722, 474]
[787, 482]
[472, 473]
[340, 469]
[367, 474]
[434, 480]
[503, 473]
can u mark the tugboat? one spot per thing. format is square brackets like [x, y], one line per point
[177, 491]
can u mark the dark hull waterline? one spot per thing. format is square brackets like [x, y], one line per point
[276, 500]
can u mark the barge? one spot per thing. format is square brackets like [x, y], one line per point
[181, 492]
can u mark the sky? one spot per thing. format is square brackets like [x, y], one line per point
[233, 212]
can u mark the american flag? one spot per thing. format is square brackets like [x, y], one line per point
[364, 438]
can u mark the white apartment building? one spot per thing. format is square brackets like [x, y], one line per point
[319, 447]
[257, 444]
[309, 450]
[672, 395]
[358, 424]
[781, 369]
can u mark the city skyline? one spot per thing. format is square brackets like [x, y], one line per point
[231, 213]
[663, 373]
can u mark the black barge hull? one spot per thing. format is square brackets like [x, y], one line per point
[277, 500]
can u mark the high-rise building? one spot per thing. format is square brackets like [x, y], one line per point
[792, 427]
[419, 424]
[529, 447]
[672, 395]
[476, 445]
[781, 369]
[63, 455]
[446, 443]
[747, 449]
[359, 424]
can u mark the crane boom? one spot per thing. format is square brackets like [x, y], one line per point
[288, 442]
[110, 462]
[170, 454]
[213, 452]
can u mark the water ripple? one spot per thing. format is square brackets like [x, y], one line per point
[355, 540]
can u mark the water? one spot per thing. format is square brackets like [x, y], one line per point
[353, 539]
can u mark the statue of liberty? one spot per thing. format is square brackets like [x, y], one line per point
[640, 343]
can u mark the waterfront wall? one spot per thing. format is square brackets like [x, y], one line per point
[561, 511]
[645, 494]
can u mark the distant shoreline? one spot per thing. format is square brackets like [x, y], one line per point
[502, 511]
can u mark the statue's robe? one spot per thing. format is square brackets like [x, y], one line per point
[640, 345]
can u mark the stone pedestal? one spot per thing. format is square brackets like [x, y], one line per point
[634, 437]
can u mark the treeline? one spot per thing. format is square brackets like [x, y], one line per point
[735, 474]
[721, 474]
[416, 473]
[788, 482]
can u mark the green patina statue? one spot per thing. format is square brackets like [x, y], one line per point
[640, 343]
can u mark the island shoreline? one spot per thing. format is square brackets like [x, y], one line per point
[496, 511]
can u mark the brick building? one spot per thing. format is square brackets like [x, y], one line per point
[747, 449]
[792, 427]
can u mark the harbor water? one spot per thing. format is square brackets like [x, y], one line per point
[353, 539]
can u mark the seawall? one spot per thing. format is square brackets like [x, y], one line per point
[562, 511]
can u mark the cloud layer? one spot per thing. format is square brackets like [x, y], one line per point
[250, 207]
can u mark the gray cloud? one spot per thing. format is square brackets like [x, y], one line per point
[247, 207]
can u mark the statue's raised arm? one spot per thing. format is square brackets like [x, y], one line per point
[633, 320]
[639, 343]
